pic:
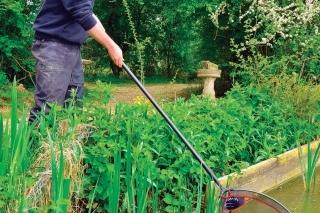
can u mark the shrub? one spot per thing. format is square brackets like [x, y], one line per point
[271, 38]
[247, 126]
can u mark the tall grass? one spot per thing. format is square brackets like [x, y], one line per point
[115, 183]
[309, 165]
[309, 162]
[212, 200]
[60, 185]
[58, 163]
[32, 166]
[15, 159]
[137, 181]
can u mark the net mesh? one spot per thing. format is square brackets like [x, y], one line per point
[241, 200]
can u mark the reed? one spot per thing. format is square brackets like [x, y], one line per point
[93, 196]
[14, 160]
[138, 182]
[57, 164]
[60, 185]
[212, 200]
[155, 196]
[309, 163]
[115, 183]
[130, 188]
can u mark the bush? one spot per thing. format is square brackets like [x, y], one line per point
[271, 38]
[247, 126]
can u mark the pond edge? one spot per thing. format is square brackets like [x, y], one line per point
[270, 173]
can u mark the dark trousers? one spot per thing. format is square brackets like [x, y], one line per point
[58, 72]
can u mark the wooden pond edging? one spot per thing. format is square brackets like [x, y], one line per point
[270, 173]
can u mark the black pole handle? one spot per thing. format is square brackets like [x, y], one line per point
[196, 155]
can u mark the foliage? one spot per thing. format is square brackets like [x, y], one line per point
[23, 97]
[170, 38]
[271, 37]
[26, 171]
[3, 79]
[139, 46]
[14, 160]
[294, 92]
[247, 126]
[133, 156]
[310, 162]
[157, 38]
[15, 38]
[162, 36]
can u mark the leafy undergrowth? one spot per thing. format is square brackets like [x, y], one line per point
[134, 161]
[247, 126]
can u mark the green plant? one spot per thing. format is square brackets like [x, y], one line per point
[272, 38]
[312, 164]
[140, 46]
[137, 181]
[57, 159]
[247, 126]
[6, 99]
[212, 199]
[93, 196]
[15, 39]
[14, 160]
[309, 163]
[60, 185]
[3, 79]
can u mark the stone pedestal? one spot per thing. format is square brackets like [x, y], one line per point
[86, 62]
[209, 73]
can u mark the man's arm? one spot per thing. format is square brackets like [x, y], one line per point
[99, 34]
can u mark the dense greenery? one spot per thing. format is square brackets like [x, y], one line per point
[271, 37]
[132, 156]
[15, 40]
[170, 38]
[268, 51]
[245, 127]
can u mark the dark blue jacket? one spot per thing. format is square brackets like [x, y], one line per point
[66, 20]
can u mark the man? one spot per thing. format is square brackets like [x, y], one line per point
[60, 28]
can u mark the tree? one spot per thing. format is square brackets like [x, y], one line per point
[271, 38]
[15, 39]
[169, 33]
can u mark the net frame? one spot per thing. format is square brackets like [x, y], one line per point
[251, 195]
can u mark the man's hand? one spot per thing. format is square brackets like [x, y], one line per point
[115, 54]
[99, 34]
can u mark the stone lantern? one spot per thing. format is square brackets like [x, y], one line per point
[209, 73]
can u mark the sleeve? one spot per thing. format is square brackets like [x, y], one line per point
[81, 11]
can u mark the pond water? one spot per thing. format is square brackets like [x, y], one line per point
[293, 196]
